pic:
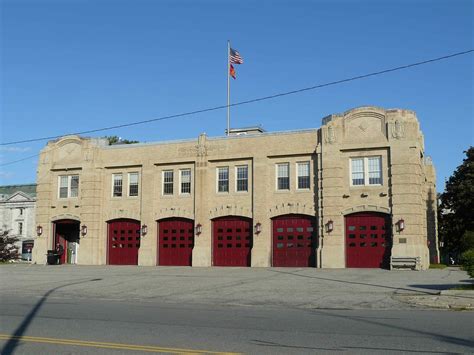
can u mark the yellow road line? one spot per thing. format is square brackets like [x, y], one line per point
[97, 344]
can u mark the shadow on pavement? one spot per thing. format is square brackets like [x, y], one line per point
[16, 336]
[416, 288]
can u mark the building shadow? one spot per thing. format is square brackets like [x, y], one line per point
[15, 338]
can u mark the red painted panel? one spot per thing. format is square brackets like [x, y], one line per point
[368, 240]
[175, 242]
[124, 242]
[294, 241]
[232, 241]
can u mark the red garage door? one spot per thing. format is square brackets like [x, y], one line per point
[294, 241]
[368, 240]
[175, 242]
[232, 241]
[124, 242]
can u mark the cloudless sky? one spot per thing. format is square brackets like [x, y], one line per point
[73, 65]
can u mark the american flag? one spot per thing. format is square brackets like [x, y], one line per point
[235, 57]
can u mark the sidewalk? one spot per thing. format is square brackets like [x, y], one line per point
[250, 287]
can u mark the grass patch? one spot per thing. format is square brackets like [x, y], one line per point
[437, 266]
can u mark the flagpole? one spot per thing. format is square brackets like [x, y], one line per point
[228, 87]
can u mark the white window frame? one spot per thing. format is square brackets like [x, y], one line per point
[366, 170]
[277, 176]
[113, 185]
[20, 228]
[163, 182]
[129, 185]
[69, 187]
[217, 179]
[237, 178]
[181, 181]
[298, 164]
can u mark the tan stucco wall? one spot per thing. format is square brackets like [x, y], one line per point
[392, 134]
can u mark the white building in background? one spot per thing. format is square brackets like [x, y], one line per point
[17, 215]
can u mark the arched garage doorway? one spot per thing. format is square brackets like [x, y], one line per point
[124, 241]
[294, 241]
[66, 233]
[232, 241]
[368, 240]
[175, 241]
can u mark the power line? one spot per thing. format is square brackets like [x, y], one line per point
[358, 77]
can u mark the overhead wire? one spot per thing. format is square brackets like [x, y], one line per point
[240, 103]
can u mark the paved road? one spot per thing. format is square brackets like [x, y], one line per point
[126, 310]
[119, 327]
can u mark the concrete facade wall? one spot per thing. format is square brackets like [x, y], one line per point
[392, 134]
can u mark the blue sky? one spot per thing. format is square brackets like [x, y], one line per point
[68, 66]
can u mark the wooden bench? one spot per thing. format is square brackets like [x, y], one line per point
[405, 262]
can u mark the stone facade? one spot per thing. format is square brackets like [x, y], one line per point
[17, 214]
[406, 190]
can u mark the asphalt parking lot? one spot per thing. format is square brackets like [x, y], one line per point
[288, 287]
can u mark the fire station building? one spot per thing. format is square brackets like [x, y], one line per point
[358, 192]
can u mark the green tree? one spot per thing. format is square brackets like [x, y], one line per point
[118, 140]
[456, 212]
[8, 249]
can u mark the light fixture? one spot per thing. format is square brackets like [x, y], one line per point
[83, 230]
[441, 244]
[39, 230]
[329, 226]
[258, 228]
[198, 229]
[401, 225]
[144, 229]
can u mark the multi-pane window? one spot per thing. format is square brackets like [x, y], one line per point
[375, 171]
[117, 185]
[223, 179]
[20, 228]
[366, 171]
[68, 186]
[63, 186]
[133, 184]
[283, 176]
[357, 169]
[168, 182]
[303, 175]
[242, 179]
[185, 178]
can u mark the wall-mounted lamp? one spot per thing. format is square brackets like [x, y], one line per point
[198, 229]
[39, 231]
[83, 230]
[258, 228]
[329, 226]
[144, 229]
[441, 244]
[401, 225]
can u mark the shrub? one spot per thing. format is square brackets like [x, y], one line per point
[8, 249]
[467, 262]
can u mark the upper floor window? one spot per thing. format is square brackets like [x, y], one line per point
[283, 176]
[366, 171]
[20, 228]
[133, 184]
[168, 182]
[117, 180]
[185, 181]
[223, 179]
[303, 175]
[20, 212]
[68, 186]
[242, 180]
